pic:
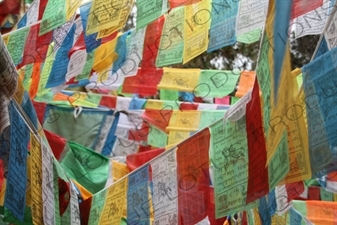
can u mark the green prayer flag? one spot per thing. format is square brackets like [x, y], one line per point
[88, 168]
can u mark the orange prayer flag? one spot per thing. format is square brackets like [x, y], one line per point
[321, 212]
[246, 83]
[35, 80]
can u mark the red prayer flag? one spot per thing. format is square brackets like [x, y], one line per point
[108, 101]
[151, 42]
[301, 7]
[42, 7]
[188, 106]
[258, 185]
[193, 178]
[211, 211]
[144, 83]
[133, 161]
[314, 193]
[57, 143]
[36, 46]
[177, 3]
[294, 190]
[10, 7]
[40, 108]
[159, 118]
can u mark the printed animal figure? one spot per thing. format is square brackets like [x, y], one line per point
[19, 156]
[185, 121]
[173, 220]
[95, 215]
[136, 199]
[181, 82]
[223, 201]
[162, 189]
[113, 209]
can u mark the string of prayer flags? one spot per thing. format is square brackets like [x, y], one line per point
[279, 67]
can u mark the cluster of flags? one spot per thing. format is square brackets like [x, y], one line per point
[265, 153]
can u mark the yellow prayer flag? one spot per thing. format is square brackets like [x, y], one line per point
[196, 26]
[184, 120]
[119, 170]
[19, 92]
[71, 7]
[297, 140]
[123, 17]
[114, 204]
[287, 82]
[179, 79]
[154, 104]
[105, 55]
[104, 15]
[175, 137]
[36, 180]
